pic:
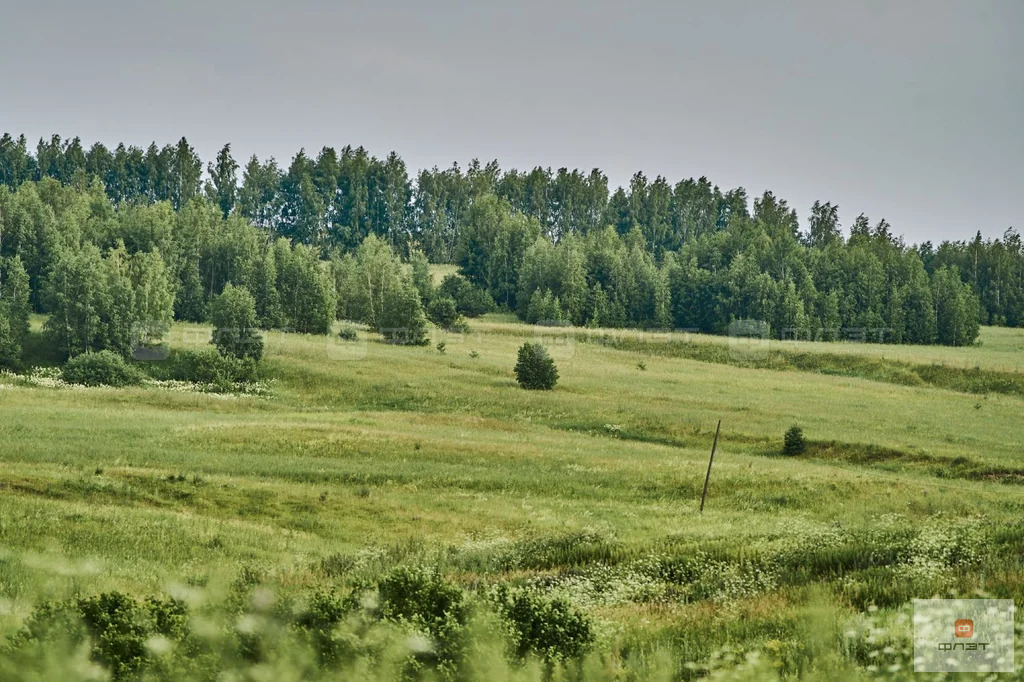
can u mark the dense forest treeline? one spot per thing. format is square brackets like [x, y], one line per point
[551, 246]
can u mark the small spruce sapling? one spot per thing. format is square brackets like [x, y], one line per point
[794, 442]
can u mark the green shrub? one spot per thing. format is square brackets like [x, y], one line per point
[535, 369]
[420, 596]
[470, 300]
[425, 600]
[320, 618]
[120, 627]
[551, 629]
[442, 312]
[474, 302]
[235, 325]
[402, 320]
[102, 368]
[794, 442]
[117, 626]
[348, 333]
[545, 308]
[206, 366]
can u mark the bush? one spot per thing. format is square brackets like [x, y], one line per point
[552, 629]
[442, 312]
[474, 301]
[320, 619]
[421, 596]
[402, 320]
[348, 333]
[425, 600]
[794, 442]
[102, 368]
[535, 369]
[235, 325]
[121, 626]
[544, 308]
[117, 626]
[207, 367]
[470, 300]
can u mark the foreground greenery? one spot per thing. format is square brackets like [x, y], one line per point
[394, 510]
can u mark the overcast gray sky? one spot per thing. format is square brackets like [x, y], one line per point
[912, 110]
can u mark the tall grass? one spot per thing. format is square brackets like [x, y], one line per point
[366, 459]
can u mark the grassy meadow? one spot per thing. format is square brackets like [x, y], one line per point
[364, 457]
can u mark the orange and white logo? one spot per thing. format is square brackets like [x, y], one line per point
[964, 627]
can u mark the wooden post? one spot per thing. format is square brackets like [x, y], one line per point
[707, 479]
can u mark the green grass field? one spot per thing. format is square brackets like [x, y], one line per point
[367, 456]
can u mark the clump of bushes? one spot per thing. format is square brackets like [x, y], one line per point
[421, 596]
[348, 333]
[118, 628]
[535, 370]
[416, 598]
[208, 366]
[319, 621]
[425, 600]
[470, 300]
[402, 320]
[443, 312]
[101, 368]
[794, 443]
[375, 289]
[409, 623]
[544, 308]
[549, 628]
[235, 325]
